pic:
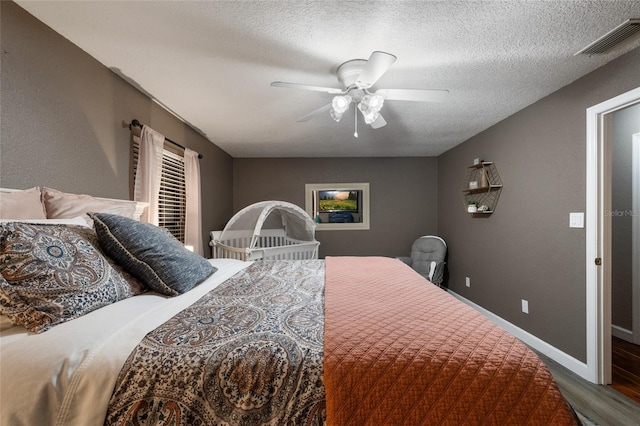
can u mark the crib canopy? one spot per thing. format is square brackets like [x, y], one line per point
[266, 215]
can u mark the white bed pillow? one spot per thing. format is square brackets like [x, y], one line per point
[25, 204]
[61, 205]
[80, 221]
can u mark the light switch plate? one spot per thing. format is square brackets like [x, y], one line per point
[576, 220]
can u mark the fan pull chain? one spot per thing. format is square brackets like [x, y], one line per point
[355, 134]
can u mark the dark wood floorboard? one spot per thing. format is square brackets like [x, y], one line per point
[625, 368]
[602, 404]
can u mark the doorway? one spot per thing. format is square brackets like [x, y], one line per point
[599, 234]
[625, 191]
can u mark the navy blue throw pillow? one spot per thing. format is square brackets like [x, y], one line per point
[151, 254]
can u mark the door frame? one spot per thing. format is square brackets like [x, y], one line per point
[635, 250]
[598, 234]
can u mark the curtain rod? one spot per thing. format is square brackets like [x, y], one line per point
[136, 123]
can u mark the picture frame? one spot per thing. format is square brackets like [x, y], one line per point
[338, 206]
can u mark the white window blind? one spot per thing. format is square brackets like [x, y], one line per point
[172, 201]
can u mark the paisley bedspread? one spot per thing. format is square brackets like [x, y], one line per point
[249, 352]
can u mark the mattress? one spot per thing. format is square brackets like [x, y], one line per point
[395, 350]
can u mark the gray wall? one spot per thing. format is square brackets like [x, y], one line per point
[403, 197]
[625, 123]
[526, 250]
[62, 114]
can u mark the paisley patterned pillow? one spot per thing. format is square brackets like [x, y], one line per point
[50, 274]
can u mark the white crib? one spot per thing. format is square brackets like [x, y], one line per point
[289, 234]
[272, 244]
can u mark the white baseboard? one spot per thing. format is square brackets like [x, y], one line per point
[622, 333]
[576, 366]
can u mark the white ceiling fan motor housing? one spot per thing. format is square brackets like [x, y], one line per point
[348, 72]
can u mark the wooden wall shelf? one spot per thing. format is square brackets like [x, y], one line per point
[482, 185]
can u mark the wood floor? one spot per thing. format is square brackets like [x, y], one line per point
[625, 369]
[602, 404]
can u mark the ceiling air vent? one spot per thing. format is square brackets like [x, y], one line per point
[613, 37]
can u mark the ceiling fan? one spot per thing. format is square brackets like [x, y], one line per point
[358, 76]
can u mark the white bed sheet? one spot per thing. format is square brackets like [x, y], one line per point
[65, 376]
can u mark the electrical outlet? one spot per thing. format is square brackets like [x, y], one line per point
[467, 281]
[525, 306]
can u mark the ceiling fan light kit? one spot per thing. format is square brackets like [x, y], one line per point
[370, 107]
[339, 106]
[358, 76]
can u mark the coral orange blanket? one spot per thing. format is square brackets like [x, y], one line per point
[401, 351]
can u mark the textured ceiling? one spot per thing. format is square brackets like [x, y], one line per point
[212, 62]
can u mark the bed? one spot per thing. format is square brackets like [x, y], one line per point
[339, 341]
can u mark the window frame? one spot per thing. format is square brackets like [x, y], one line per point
[172, 197]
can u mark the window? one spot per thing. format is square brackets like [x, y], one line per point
[172, 188]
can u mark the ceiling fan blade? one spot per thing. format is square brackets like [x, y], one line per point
[306, 87]
[376, 66]
[379, 122]
[417, 95]
[312, 114]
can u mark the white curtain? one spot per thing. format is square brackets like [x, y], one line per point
[192, 224]
[149, 172]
